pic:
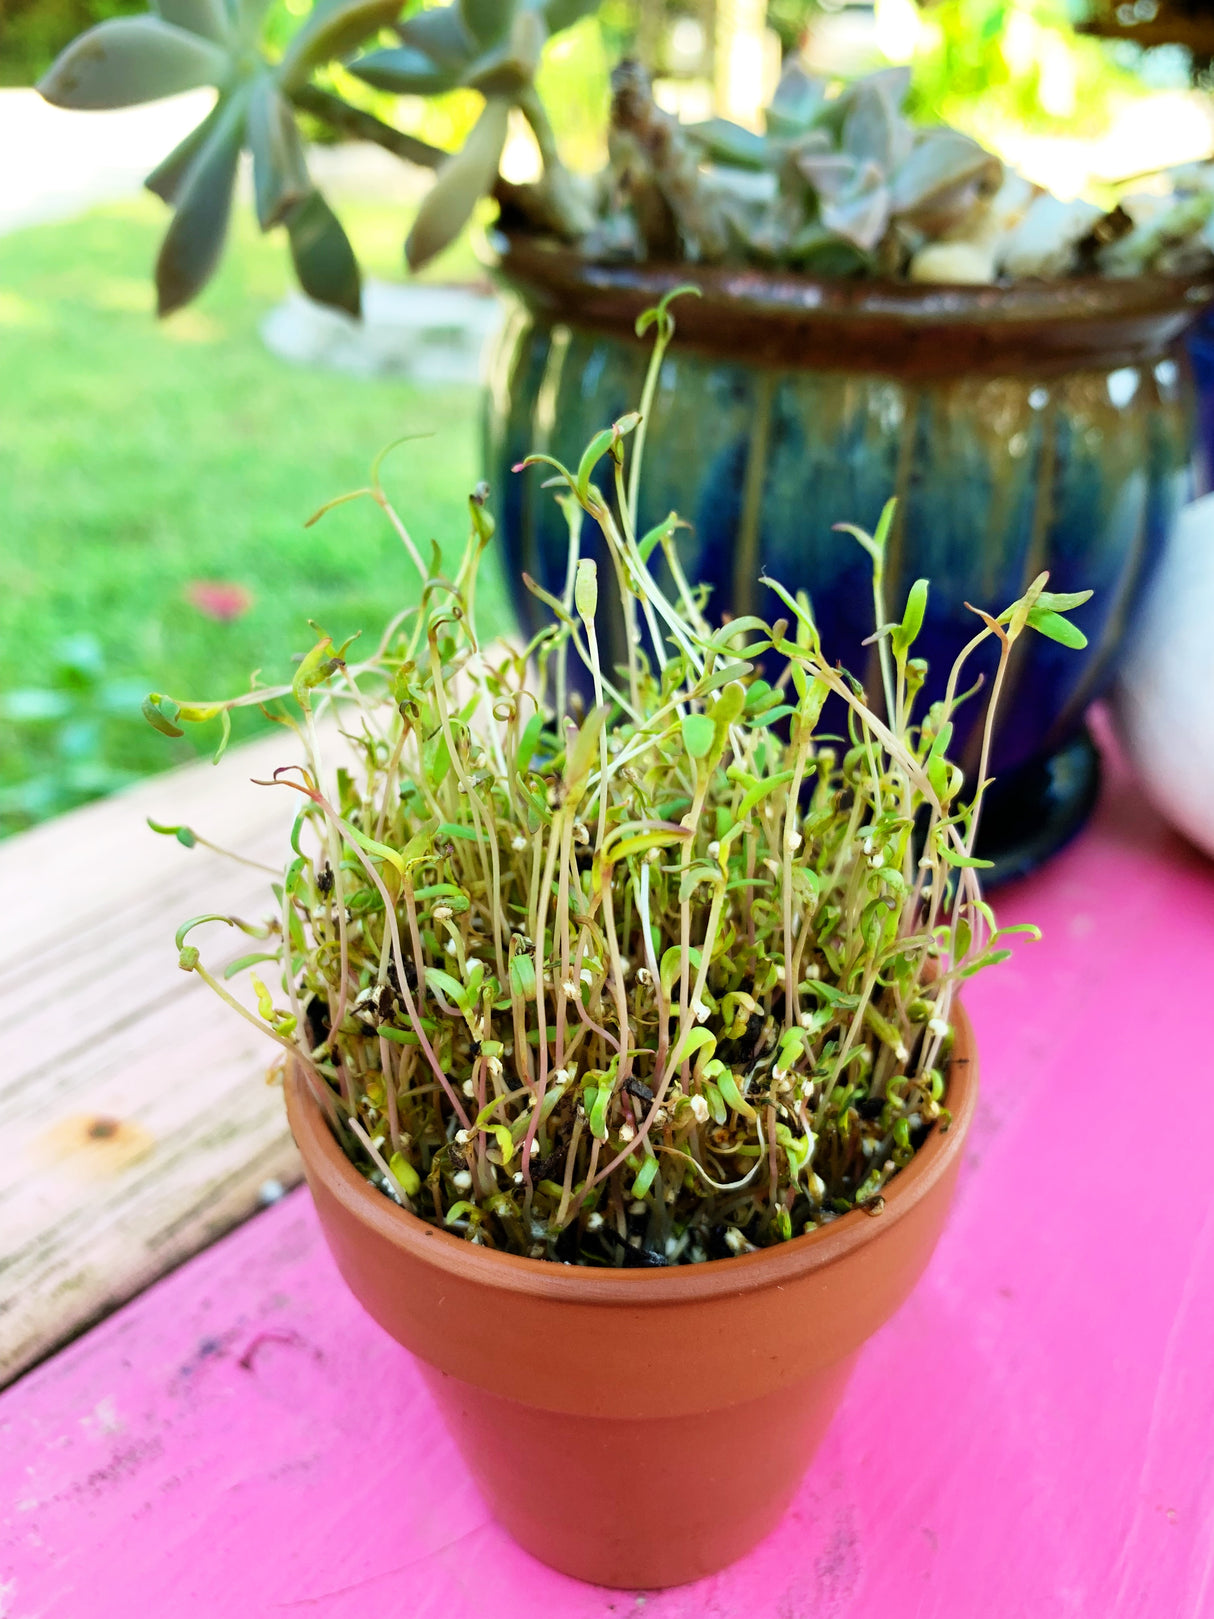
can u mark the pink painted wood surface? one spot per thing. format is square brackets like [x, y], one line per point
[1032, 1436]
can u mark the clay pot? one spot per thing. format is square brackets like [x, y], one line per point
[637, 1428]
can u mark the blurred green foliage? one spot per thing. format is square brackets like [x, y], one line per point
[982, 63]
[69, 722]
[789, 20]
[137, 459]
[134, 459]
[573, 81]
[33, 32]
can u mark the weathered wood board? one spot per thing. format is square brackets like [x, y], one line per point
[135, 1122]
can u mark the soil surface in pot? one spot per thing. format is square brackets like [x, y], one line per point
[637, 1428]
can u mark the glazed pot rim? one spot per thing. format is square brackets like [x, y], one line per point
[519, 257]
[585, 1285]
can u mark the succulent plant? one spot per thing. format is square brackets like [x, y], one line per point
[488, 45]
[844, 184]
[1172, 233]
[836, 184]
[840, 182]
[851, 173]
[492, 46]
[648, 979]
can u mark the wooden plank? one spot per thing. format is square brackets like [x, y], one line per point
[134, 1123]
[1029, 1436]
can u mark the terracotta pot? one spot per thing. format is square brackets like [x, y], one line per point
[636, 1428]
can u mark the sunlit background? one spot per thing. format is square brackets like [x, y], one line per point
[155, 478]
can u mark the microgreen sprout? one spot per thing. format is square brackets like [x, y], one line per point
[661, 975]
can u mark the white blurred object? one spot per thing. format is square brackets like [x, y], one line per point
[686, 45]
[58, 163]
[898, 29]
[434, 334]
[747, 61]
[1165, 696]
[358, 171]
[520, 162]
[1155, 131]
[953, 263]
[843, 40]
[691, 101]
[1043, 243]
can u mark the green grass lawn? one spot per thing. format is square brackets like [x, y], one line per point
[137, 458]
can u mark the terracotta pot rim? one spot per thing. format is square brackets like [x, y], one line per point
[778, 320]
[714, 1278]
[527, 260]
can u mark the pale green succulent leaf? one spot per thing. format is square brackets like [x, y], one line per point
[797, 102]
[169, 176]
[510, 68]
[941, 161]
[331, 31]
[861, 214]
[559, 14]
[250, 14]
[487, 20]
[280, 174]
[882, 94]
[830, 173]
[323, 258]
[462, 181]
[874, 130]
[194, 242]
[441, 34]
[725, 142]
[209, 19]
[129, 60]
[402, 70]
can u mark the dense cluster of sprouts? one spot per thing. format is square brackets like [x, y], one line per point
[652, 977]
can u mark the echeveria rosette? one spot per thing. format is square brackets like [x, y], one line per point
[851, 182]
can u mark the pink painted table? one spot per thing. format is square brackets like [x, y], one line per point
[1032, 1436]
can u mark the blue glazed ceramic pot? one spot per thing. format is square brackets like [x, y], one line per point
[1037, 426]
[1201, 357]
